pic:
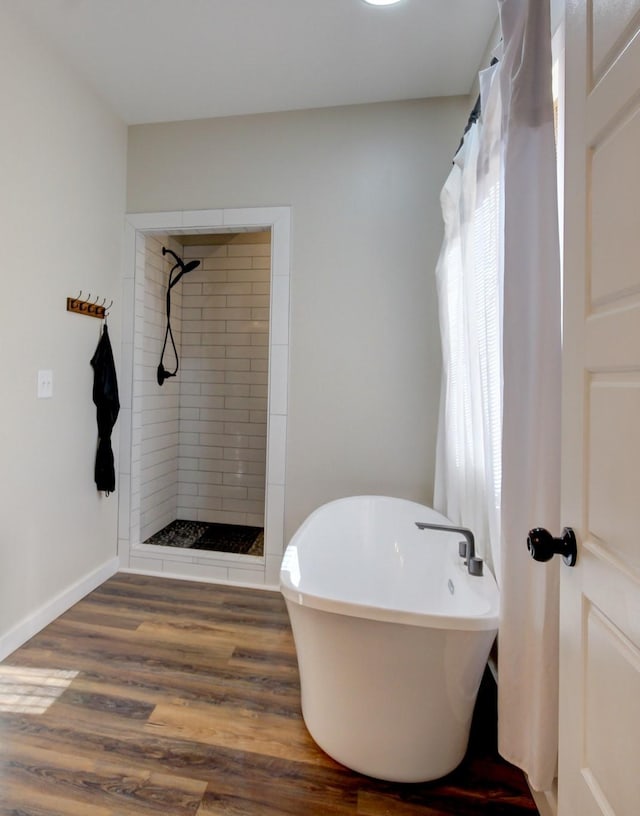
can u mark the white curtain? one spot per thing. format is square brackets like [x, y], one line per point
[528, 638]
[498, 465]
[468, 275]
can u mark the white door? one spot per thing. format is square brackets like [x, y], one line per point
[599, 770]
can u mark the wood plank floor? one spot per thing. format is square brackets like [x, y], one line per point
[153, 696]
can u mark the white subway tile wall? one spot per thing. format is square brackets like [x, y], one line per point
[160, 418]
[223, 380]
[204, 433]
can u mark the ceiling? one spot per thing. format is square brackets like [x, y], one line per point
[168, 60]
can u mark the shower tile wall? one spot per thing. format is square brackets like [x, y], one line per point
[223, 381]
[160, 406]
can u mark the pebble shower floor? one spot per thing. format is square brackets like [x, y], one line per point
[199, 535]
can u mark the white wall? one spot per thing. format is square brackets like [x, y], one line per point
[363, 183]
[204, 433]
[223, 381]
[62, 166]
[160, 443]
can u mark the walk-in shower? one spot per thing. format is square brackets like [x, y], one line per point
[144, 301]
[204, 419]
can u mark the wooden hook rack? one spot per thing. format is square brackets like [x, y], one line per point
[88, 307]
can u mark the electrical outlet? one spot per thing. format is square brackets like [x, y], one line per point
[45, 384]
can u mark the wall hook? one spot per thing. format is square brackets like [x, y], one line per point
[88, 307]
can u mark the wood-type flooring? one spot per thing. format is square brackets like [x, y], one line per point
[152, 696]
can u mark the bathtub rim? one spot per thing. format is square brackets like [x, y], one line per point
[486, 621]
[426, 620]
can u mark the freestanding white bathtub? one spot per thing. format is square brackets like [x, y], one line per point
[392, 636]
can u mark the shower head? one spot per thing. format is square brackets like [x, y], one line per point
[184, 268]
[190, 266]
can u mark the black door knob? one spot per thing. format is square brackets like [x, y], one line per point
[543, 546]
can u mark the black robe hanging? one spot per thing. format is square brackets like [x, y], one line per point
[105, 396]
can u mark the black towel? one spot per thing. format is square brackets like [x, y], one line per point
[105, 396]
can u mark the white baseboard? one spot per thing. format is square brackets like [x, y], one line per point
[175, 576]
[546, 801]
[31, 625]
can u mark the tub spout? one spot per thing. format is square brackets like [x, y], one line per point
[466, 548]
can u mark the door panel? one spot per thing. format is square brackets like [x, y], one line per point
[599, 765]
[610, 24]
[611, 675]
[614, 506]
[614, 225]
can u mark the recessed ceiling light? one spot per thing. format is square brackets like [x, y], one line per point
[381, 2]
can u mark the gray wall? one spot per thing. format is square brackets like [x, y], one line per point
[363, 183]
[63, 168]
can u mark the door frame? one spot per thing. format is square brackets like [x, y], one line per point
[214, 567]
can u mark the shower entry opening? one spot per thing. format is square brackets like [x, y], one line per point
[202, 453]
[204, 431]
